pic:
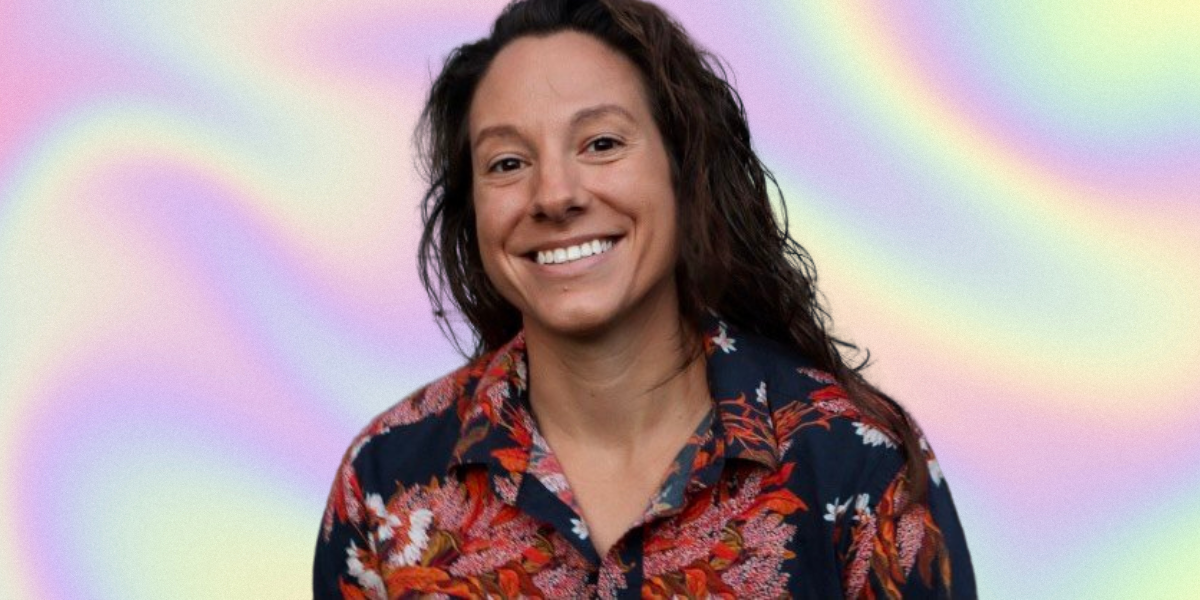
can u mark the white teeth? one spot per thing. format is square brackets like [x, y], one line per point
[573, 253]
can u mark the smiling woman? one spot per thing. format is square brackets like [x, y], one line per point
[653, 407]
[581, 162]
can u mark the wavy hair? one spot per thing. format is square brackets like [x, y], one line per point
[735, 257]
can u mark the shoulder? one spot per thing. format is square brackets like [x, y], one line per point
[408, 442]
[843, 452]
[817, 426]
[852, 471]
[434, 410]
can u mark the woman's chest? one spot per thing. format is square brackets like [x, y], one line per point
[748, 540]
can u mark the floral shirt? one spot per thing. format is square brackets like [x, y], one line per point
[785, 490]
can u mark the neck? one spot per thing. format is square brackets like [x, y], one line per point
[616, 389]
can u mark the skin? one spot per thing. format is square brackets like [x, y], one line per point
[565, 150]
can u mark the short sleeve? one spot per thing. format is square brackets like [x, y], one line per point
[895, 547]
[345, 565]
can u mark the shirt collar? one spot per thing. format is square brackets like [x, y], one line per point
[498, 428]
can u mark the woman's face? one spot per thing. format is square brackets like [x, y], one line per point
[575, 210]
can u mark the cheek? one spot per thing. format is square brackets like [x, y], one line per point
[666, 209]
[491, 234]
[489, 246]
[488, 221]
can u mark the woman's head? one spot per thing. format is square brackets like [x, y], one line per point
[732, 256]
[727, 231]
[572, 190]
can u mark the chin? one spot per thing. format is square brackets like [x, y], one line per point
[581, 322]
[581, 326]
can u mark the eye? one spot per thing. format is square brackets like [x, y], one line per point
[603, 144]
[505, 165]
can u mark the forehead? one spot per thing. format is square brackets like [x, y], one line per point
[540, 79]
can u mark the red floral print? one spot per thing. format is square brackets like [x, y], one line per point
[785, 490]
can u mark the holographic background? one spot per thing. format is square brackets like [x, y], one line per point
[208, 215]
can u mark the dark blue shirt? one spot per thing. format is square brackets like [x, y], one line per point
[785, 490]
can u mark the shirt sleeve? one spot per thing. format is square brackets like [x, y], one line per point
[899, 548]
[346, 566]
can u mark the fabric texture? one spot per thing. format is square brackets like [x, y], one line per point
[785, 490]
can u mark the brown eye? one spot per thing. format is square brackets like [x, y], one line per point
[505, 165]
[603, 144]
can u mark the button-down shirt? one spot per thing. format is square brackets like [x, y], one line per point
[785, 490]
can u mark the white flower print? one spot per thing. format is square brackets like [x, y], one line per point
[935, 471]
[760, 394]
[522, 371]
[368, 579]
[862, 507]
[375, 503]
[579, 528]
[723, 341]
[358, 446]
[387, 522]
[872, 436]
[555, 482]
[418, 536]
[836, 509]
[862, 502]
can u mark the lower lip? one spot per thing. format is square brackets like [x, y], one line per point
[576, 267]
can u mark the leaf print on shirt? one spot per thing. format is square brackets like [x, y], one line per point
[345, 504]
[399, 530]
[444, 538]
[364, 568]
[733, 538]
[823, 406]
[887, 543]
[434, 398]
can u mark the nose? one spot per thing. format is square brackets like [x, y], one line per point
[557, 197]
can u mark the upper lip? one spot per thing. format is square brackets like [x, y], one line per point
[571, 241]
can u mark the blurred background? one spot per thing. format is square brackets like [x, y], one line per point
[209, 214]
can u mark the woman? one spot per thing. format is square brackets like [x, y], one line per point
[653, 406]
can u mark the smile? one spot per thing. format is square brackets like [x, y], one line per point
[558, 256]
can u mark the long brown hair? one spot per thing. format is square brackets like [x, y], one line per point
[735, 257]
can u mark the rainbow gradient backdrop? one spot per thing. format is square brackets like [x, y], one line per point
[208, 219]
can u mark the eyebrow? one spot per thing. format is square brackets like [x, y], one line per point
[500, 131]
[599, 111]
[583, 115]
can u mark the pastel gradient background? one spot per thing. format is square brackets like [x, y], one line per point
[208, 219]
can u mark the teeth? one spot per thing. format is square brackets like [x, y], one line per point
[573, 253]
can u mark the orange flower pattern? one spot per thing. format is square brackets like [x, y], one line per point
[784, 491]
